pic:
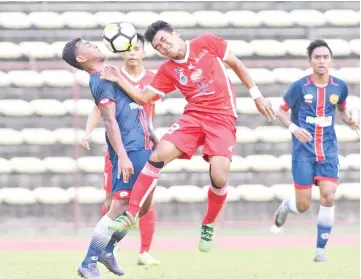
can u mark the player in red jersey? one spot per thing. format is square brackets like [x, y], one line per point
[139, 77]
[197, 69]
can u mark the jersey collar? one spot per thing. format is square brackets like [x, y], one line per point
[185, 59]
[319, 85]
[133, 79]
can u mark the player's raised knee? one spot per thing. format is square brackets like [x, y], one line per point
[303, 206]
[327, 199]
[218, 178]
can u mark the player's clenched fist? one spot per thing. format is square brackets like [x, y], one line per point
[264, 106]
[110, 72]
[125, 167]
[302, 134]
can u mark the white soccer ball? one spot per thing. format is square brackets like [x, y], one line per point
[119, 36]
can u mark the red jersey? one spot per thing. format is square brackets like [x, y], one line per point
[201, 77]
[144, 79]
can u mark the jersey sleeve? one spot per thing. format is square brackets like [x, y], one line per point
[343, 95]
[161, 83]
[217, 45]
[291, 98]
[102, 91]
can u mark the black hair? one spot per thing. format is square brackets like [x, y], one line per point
[140, 37]
[70, 52]
[316, 44]
[155, 27]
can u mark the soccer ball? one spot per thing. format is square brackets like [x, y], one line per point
[119, 36]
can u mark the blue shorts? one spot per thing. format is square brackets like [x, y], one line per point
[121, 190]
[307, 173]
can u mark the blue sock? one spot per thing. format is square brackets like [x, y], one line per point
[323, 234]
[116, 237]
[324, 225]
[100, 240]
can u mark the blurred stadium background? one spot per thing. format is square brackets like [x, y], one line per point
[48, 181]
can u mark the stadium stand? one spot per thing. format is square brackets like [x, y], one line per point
[44, 104]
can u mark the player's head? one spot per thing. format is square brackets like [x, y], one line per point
[319, 56]
[81, 54]
[163, 38]
[134, 57]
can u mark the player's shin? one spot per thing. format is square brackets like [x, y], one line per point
[144, 185]
[216, 199]
[325, 221]
[100, 240]
[146, 228]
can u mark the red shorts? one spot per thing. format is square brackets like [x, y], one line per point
[216, 132]
[108, 169]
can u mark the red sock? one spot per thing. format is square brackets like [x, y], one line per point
[216, 199]
[104, 209]
[144, 185]
[146, 227]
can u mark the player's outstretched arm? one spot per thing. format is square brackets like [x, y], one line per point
[112, 73]
[302, 134]
[125, 166]
[263, 105]
[91, 123]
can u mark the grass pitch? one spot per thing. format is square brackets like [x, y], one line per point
[290, 263]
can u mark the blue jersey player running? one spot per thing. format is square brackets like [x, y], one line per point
[313, 101]
[128, 137]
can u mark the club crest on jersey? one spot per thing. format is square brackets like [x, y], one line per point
[334, 99]
[308, 98]
[182, 78]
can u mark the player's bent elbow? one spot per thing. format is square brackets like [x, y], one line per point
[108, 123]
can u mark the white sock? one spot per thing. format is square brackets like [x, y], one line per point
[99, 242]
[102, 227]
[291, 206]
[326, 216]
[102, 235]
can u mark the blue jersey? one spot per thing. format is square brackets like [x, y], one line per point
[313, 108]
[130, 116]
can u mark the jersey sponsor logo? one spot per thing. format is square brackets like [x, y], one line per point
[321, 121]
[196, 75]
[135, 106]
[308, 98]
[202, 88]
[334, 99]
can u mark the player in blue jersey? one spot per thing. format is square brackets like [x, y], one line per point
[128, 137]
[313, 101]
